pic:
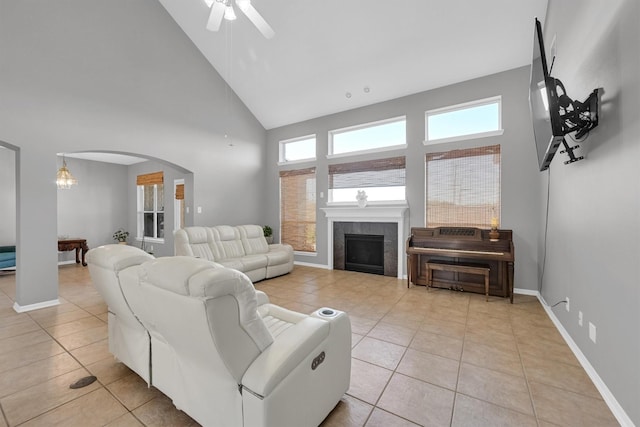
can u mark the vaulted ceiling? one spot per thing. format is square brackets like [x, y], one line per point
[372, 49]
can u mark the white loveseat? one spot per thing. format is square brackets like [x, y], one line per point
[218, 348]
[242, 248]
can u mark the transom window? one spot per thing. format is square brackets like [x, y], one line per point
[381, 179]
[475, 119]
[463, 187]
[298, 149]
[150, 206]
[378, 136]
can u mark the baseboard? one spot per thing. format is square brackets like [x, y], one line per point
[309, 264]
[608, 397]
[23, 308]
[522, 291]
[71, 261]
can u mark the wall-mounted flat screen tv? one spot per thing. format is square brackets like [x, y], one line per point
[543, 98]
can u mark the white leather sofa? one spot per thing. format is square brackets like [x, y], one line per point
[219, 349]
[242, 248]
[128, 338]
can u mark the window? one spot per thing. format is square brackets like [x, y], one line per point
[384, 135]
[382, 179]
[475, 119]
[463, 187]
[151, 206]
[178, 204]
[298, 149]
[298, 208]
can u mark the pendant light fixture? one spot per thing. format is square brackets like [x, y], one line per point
[64, 179]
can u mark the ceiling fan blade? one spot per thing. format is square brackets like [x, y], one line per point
[257, 20]
[215, 17]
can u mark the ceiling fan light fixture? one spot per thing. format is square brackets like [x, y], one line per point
[223, 10]
[243, 5]
[229, 13]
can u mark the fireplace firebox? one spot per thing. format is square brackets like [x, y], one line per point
[364, 253]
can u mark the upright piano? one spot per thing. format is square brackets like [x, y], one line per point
[462, 245]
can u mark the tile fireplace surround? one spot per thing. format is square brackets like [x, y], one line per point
[379, 214]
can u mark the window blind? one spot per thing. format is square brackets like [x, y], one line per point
[180, 192]
[150, 178]
[463, 187]
[298, 208]
[388, 172]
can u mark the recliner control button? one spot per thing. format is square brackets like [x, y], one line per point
[317, 361]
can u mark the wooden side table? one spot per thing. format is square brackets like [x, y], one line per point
[80, 245]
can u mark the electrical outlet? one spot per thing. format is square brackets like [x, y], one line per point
[199, 209]
[567, 305]
[151, 248]
[592, 332]
[580, 318]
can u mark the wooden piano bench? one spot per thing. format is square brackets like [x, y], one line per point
[458, 267]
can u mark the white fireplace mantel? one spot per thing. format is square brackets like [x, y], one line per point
[395, 214]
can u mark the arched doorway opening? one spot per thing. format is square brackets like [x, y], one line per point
[110, 196]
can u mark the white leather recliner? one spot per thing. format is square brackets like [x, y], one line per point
[225, 355]
[128, 338]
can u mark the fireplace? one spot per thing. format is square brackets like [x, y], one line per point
[389, 221]
[386, 235]
[364, 253]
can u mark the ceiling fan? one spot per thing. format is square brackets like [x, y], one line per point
[224, 9]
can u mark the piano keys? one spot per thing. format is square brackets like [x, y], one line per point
[462, 245]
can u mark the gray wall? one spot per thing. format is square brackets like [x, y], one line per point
[520, 181]
[7, 197]
[121, 76]
[593, 243]
[94, 208]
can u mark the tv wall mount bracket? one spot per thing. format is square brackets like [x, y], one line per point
[576, 116]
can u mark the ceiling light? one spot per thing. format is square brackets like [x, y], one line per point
[64, 179]
[224, 9]
[243, 4]
[348, 94]
[229, 13]
[367, 89]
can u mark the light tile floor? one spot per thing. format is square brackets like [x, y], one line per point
[431, 358]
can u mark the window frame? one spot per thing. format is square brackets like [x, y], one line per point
[178, 205]
[333, 132]
[459, 107]
[140, 212]
[282, 150]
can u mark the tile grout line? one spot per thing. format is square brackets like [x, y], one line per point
[375, 405]
[464, 340]
[68, 352]
[524, 371]
[104, 386]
